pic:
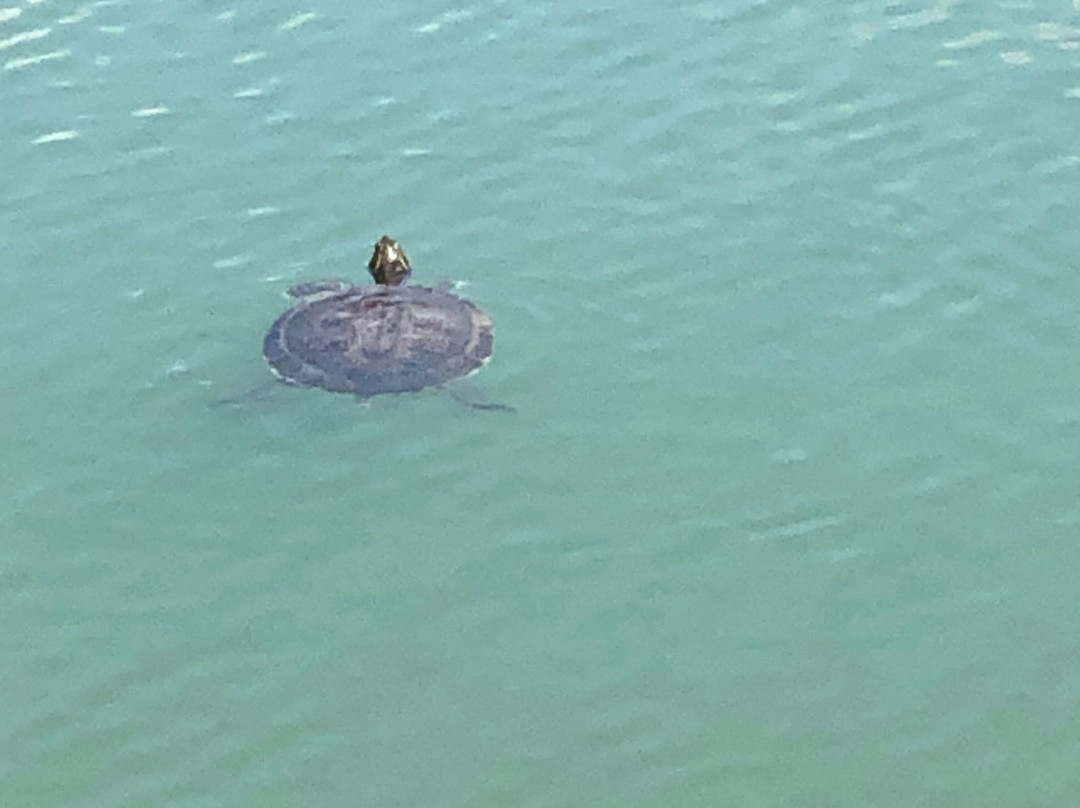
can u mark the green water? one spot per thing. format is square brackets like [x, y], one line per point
[784, 295]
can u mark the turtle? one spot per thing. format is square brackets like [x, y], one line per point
[390, 337]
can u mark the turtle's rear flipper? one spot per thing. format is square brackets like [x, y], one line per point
[465, 393]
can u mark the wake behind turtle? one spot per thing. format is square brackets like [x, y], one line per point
[389, 337]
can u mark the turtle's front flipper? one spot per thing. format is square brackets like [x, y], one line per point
[332, 286]
[465, 393]
[254, 394]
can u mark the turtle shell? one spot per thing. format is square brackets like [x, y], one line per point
[378, 339]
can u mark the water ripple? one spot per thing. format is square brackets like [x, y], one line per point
[786, 312]
[297, 20]
[24, 36]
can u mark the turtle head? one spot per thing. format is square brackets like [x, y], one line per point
[389, 265]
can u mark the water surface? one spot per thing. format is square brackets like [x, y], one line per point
[785, 301]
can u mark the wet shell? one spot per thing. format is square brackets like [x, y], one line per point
[378, 339]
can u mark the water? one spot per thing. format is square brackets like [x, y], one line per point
[784, 298]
